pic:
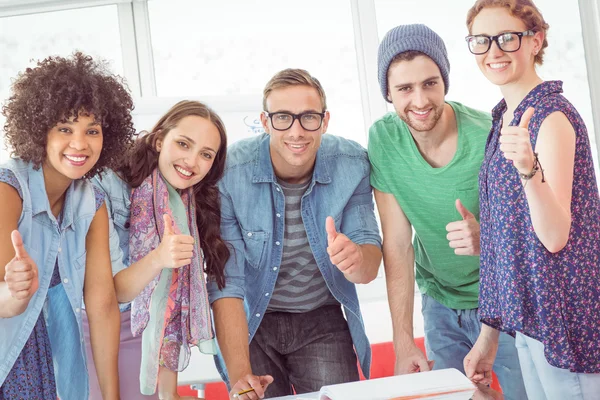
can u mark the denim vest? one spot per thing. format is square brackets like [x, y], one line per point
[252, 212]
[46, 243]
[116, 196]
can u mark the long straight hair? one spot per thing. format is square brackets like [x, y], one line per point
[143, 159]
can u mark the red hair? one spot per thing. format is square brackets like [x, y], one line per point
[524, 10]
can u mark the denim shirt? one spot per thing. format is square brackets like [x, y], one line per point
[252, 222]
[116, 196]
[48, 243]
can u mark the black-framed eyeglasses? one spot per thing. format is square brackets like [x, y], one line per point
[508, 42]
[310, 120]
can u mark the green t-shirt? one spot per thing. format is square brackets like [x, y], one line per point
[427, 196]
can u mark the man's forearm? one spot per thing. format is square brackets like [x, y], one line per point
[400, 280]
[232, 334]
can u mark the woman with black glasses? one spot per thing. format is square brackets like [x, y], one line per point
[540, 226]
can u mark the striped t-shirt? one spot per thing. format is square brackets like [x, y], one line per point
[300, 286]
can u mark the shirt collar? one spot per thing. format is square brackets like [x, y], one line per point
[263, 168]
[39, 197]
[531, 99]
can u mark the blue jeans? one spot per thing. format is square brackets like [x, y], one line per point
[303, 350]
[449, 336]
[546, 382]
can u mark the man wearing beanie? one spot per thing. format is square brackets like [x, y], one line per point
[425, 160]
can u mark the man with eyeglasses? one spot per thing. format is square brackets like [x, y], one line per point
[297, 211]
[425, 159]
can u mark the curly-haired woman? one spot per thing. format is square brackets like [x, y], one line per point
[66, 120]
[165, 207]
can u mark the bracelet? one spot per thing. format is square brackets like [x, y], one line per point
[536, 167]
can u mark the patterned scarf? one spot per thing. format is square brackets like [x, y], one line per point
[172, 313]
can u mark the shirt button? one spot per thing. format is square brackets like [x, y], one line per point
[249, 234]
[77, 310]
[277, 189]
[59, 249]
[257, 315]
[277, 243]
[266, 294]
[65, 280]
[274, 268]
[278, 215]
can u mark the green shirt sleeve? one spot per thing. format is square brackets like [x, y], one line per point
[375, 149]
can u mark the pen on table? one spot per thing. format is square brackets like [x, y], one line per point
[238, 394]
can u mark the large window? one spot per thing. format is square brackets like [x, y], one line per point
[233, 47]
[564, 58]
[26, 38]
[239, 124]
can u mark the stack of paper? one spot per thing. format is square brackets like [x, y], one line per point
[446, 384]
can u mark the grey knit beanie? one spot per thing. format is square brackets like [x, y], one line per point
[416, 37]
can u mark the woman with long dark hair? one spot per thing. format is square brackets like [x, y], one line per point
[166, 215]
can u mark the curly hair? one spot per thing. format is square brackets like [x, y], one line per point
[58, 89]
[525, 10]
[142, 159]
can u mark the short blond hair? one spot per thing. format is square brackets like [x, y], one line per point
[525, 10]
[293, 77]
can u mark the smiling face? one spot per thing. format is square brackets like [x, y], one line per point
[73, 147]
[499, 67]
[416, 90]
[293, 151]
[187, 152]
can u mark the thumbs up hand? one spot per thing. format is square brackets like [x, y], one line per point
[515, 144]
[463, 235]
[346, 255]
[174, 251]
[21, 273]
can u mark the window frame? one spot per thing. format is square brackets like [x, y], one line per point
[138, 66]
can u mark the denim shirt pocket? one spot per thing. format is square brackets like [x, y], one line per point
[121, 219]
[255, 243]
[80, 261]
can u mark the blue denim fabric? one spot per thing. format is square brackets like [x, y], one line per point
[252, 213]
[117, 198]
[48, 244]
[450, 335]
[546, 382]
